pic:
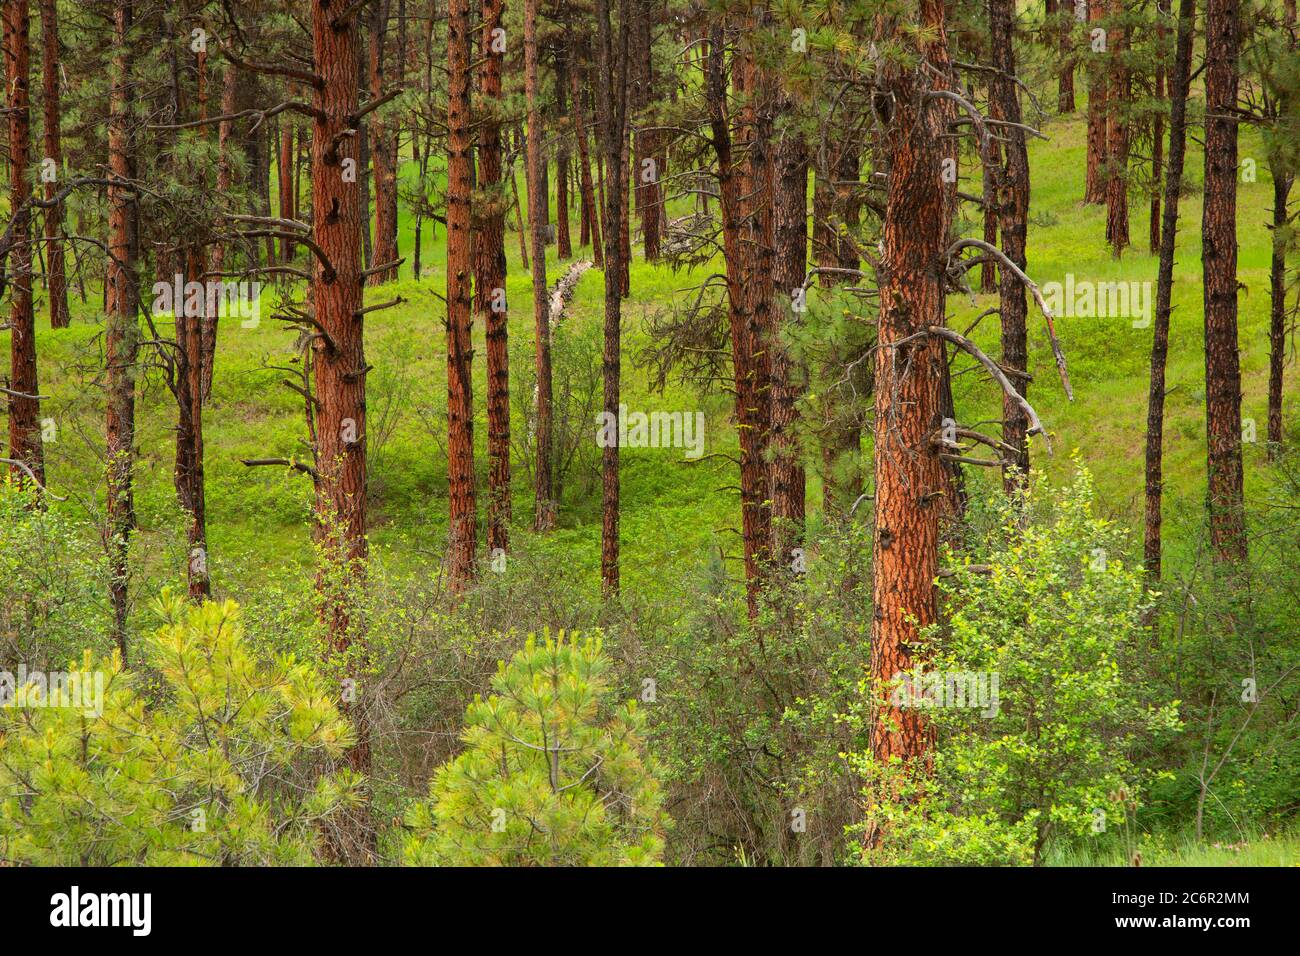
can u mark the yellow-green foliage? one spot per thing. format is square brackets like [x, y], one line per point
[217, 767]
[543, 780]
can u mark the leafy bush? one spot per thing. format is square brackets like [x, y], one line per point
[1053, 612]
[543, 780]
[221, 766]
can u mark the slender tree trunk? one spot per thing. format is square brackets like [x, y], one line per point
[545, 504]
[1013, 213]
[739, 250]
[24, 406]
[383, 150]
[789, 270]
[338, 354]
[563, 242]
[56, 282]
[1282, 181]
[190, 390]
[989, 270]
[122, 329]
[284, 168]
[1117, 231]
[460, 385]
[490, 272]
[1095, 184]
[909, 476]
[611, 121]
[1164, 286]
[1065, 84]
[225, 182]
[1158, 134]
[648, 174]
[590, 217]
[1219, 267]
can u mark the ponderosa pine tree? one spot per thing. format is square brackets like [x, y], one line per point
[1179, 82]
[910, 481]
[26, 453]
[544, 503]
[1095, 183]
[1118, 103]
[460, 385]
[56, 281]
[490, 276]
[1219, 267]
[1013, 220]
[611, 134]
[122, 328]
[383, 153]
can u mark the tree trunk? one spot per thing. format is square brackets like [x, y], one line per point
[56, 282]
[383, 151]
[739, 250]
[563, 242]
[611, 120]
[24, 406]
[1065, 51]
[490, 273]
[122, 329]
[460, 385]
[338, 355]
[1158, 137]
[1282, 181]
[909, 476]
[284, 167]
[590, 217]
[1095, 184]
[1013, 215]
[1219, 267]
[545, 504]
[789, 270]
[1164, 286]
[225, 182]
[1117, 103]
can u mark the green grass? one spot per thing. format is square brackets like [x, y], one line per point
[1281, 849]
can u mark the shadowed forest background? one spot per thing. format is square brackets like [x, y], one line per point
[986, 308]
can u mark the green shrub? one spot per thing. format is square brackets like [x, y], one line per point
[220, 766]
[543, 780]
[1051, 611]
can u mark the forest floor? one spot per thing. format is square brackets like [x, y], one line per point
[675, 512]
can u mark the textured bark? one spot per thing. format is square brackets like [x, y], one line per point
[1065, 52]
[1282, 181]
[648, 190]
[338, 356]
[611, 113]
[544, 492]
[284, 169]
[122, 330]
[24, 407]
[490, 276]
[989, 270]
[56, 281]
[590, 216]
[225, 181]
[382, 139]
[1151, 549]
[1095, 184]
[789, 269]
[190, 394]
[910, 479]
[739, 253]
[1158, 137]
[563, 242]
[1219, 267]
[460, 385]
[1013, 215]
[1117, 136]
